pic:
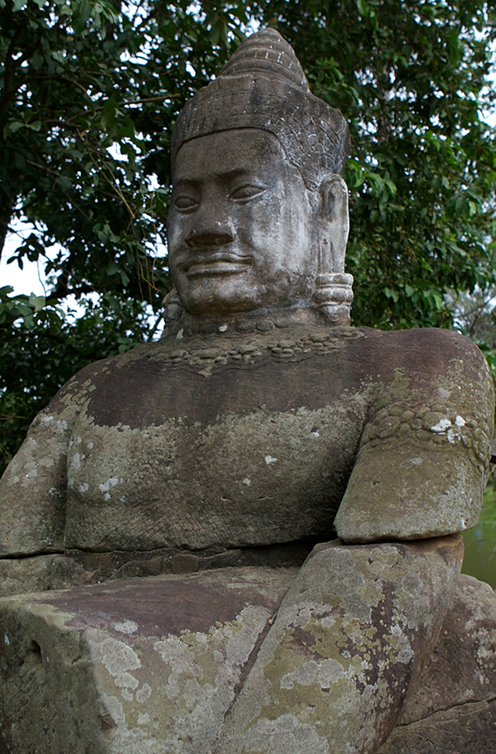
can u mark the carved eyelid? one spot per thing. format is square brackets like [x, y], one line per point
[252, 191]
[192, 202]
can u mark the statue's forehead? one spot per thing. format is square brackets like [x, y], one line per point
[246, 150]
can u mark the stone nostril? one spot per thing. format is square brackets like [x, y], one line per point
[208, 240]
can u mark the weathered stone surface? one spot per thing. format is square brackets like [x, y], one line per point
[260, 412]
[344, 650]
[78, 568]
[77, 665]
[453, 708]
[260, 450]
[405, 485]
[461, 730]
[145, 666]
[263, 87]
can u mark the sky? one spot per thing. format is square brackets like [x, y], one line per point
[30, 279]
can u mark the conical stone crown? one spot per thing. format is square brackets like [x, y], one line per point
[267, 51]
[263, 86]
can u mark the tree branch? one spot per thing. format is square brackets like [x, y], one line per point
[10, 67]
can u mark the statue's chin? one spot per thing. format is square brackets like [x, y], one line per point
[209, 305]
[229, 294]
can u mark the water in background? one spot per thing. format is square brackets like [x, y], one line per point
[480, 543]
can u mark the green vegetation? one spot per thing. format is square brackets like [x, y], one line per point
[90, 89]
[480, 543]
[488, 514]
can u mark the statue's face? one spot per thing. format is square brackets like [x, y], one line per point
[241, 225]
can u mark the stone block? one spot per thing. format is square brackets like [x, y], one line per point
[144, 666]
[154, 665]
[453, 708]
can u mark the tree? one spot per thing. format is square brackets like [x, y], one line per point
[89, 94]
[411, 79]
[90, 89]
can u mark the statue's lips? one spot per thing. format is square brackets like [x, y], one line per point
[221, 263]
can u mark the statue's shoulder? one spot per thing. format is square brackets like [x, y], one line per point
[423, 350]
[91, 377]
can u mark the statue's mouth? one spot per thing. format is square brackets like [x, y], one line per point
[216, 263]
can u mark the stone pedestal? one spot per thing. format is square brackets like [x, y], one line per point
[145, 666]
[151, 666]
[453, 708]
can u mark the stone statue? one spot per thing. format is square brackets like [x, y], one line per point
[260, 424]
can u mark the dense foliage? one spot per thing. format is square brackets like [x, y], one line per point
[89, 91]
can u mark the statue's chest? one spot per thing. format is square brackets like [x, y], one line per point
[243, 456]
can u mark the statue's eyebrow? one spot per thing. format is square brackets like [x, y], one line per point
[230, 175]
[186, 182]
[225, 176]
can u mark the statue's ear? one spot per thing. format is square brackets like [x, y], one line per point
[334, 224]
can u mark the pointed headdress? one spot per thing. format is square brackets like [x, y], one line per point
[263, 86]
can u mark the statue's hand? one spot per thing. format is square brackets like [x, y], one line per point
[345, 649]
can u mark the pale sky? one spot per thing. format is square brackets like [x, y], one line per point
[29, 279]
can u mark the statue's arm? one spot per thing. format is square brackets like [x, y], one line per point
[33, 489]
[345, 649]
[352, 633]
[423, 460]
[34, 486]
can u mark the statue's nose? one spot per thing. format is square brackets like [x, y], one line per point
[209, 239]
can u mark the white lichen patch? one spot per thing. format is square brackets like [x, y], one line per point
[58, 426]
[106, 486]
[126, 626]
[31, 469]
[443, 393]
[324, 673]
[75, 461]
[441, 426]
[180, 661]
[416, 461]
[197, 674]
[46, 462]
[117, 656]
[126, 681]
[286, 734]
[143, 693]
[186, 683]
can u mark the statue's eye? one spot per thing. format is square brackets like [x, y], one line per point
[243, 193]
[183, 202]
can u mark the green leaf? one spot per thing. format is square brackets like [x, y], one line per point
[15, 126]
[37, 302]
